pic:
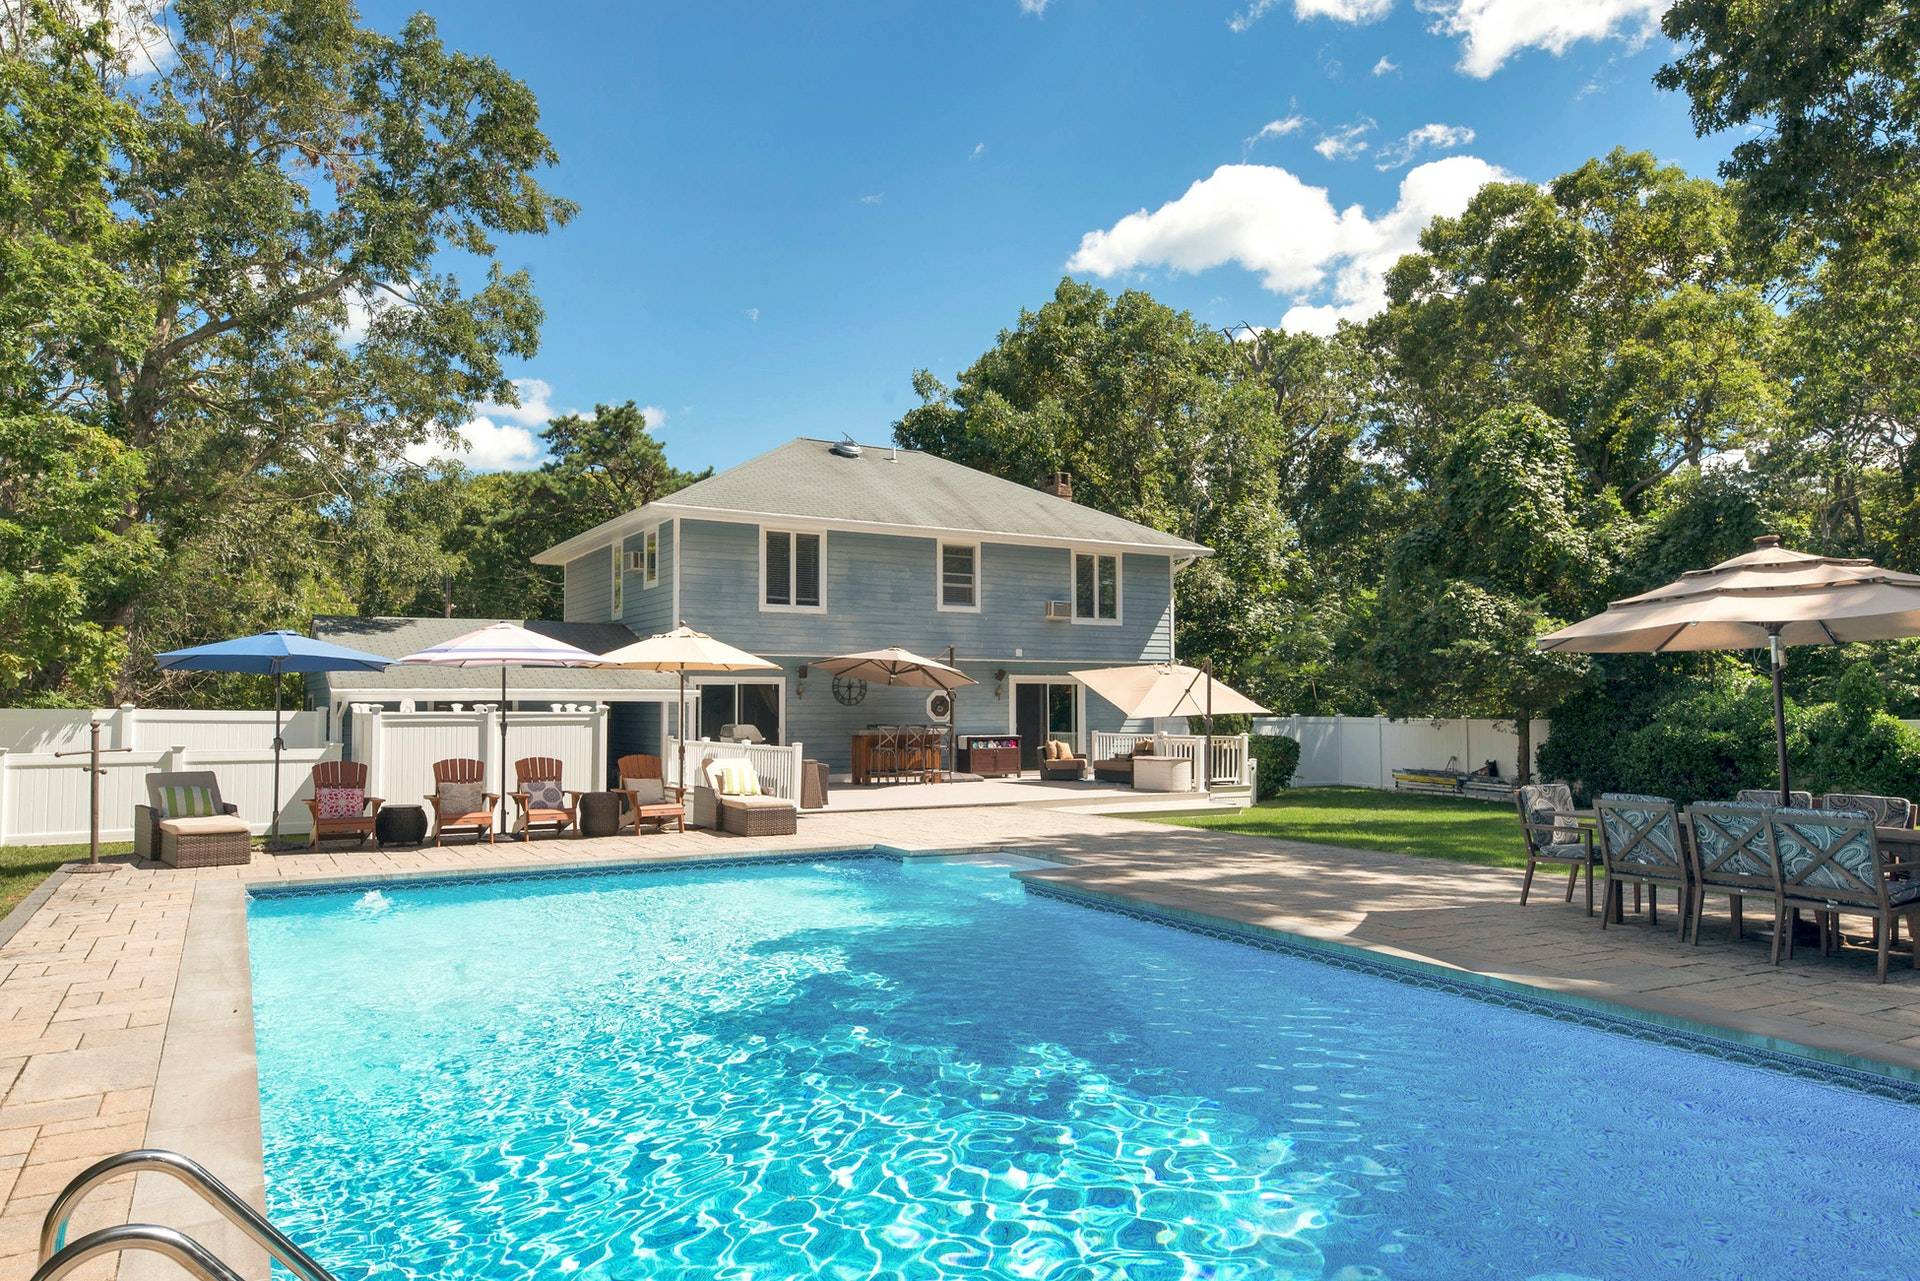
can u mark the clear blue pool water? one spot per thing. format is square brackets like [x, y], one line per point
[868, 1069]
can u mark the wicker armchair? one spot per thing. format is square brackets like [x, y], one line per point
[219, 838]
[540, 799]
[456, 784]
[351, 775]
[1061, 763]
[739, 815]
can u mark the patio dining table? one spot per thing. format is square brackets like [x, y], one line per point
[929, 760]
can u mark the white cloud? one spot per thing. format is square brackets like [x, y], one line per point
[535, 407]
[1402, 151]
[653, 416]
[1385, 67]
[1278, 128]
[979, 150]
[1345, 143]
[1343, 10]
[1333, 263]
[753, 314]
[483, 445]
[873, 198]
[1034, 8]
[1492, 31]
[1255, 10]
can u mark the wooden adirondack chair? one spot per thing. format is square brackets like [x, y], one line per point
[646, 809]
[351, 775]
[558, 809]
[450, 810]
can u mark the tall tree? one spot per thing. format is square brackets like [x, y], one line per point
[282, 201]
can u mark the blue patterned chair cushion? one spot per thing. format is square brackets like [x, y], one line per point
[1549, 804]
[1900, 892]
[1803, 835]
[1770, 797]
[1565, 851]
[1624, 814]
[1885, 811]
[1720, 830]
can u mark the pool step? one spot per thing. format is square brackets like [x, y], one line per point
[58, 1258]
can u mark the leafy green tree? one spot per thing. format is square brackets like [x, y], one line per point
[607, 463]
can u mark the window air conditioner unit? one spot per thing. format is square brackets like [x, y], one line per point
[1059, 610]
[636, 562]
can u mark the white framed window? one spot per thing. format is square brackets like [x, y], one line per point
[793, 571]
[956, 569]
[650, 556]
[1096, 588]
[618, 593]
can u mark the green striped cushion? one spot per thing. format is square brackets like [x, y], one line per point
[186, 802]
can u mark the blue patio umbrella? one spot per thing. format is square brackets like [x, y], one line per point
[271, 654]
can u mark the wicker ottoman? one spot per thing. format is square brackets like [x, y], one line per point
[214, 841]
[758, 816]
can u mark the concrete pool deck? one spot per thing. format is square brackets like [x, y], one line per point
[126, 1016]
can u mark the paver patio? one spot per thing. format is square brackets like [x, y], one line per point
[125, 1016]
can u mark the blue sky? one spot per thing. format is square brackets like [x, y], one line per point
[787, 209]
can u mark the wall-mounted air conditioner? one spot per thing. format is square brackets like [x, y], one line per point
[1059, 611]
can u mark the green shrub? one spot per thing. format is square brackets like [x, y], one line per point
[1278, 757]
[1855, 745]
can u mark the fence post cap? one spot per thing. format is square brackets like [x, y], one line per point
[127, 707]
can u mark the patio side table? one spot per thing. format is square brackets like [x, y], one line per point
[400, 825]
[1162, 774]
[599, 813]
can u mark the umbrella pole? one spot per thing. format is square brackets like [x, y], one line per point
[273, 838]
[1779, 656]
[680, 738]
[1206, 755]
[503, 750]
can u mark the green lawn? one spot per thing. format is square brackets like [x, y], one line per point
[1483, 832]
[24, 866]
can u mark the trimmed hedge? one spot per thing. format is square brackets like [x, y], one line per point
[1278, 757]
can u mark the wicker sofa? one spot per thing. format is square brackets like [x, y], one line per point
[1119, 769]
[219, 839]
[1059, 763]
[739, 815]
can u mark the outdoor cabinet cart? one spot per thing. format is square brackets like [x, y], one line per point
[990, 755]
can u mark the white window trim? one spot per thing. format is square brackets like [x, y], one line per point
[1119, 586]
[940, 546]
[760, 579]
[1080, 731]
[617, 585]
[651, 536]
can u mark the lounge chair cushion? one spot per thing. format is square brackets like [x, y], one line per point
[737, 778]
[756, 802]
[647, 791]
[462, 798]
[185, 801]
[545, 794]
[204, 825]
[339, 802]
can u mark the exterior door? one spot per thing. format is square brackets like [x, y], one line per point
[1044, 710]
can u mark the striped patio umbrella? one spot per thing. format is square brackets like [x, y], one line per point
[503, 645]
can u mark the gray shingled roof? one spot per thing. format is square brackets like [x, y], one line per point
[805, 478]
[392, 637]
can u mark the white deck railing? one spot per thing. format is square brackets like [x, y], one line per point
[777, 766]
[1232, 763]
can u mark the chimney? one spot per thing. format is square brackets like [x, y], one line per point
[1061, 486]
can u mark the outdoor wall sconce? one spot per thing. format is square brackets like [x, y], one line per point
[1000, 682]
[800, 681]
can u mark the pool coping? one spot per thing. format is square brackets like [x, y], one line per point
[1807, 1062]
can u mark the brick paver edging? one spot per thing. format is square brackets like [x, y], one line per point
[1883, 1080]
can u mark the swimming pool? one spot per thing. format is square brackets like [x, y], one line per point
[861, 1067]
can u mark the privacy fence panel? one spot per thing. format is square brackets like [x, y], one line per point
[1363, 751]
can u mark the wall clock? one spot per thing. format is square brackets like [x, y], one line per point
[848, 692]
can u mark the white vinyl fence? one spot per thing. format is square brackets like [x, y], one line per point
[37, 730]
[400, 748]
[778, 767]
[1363, 751]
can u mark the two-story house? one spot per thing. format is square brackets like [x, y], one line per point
[817, 548]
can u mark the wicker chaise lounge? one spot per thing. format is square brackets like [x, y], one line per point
[739, 814]
[185, 823]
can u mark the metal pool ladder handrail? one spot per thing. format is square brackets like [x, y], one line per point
[182, 1249]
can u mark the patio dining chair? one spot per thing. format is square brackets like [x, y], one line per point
[1553, 834]
[540, 798]
[460, 800]
[1885, 811]
[1770, 797]
[1640, 844]
[1832, 862]
[1732, 853]
[884, 756]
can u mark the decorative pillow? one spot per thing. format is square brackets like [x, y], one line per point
[462, 798]
[186, 802]
[646, 791]
[546, 794]
[738, 779]
[339, 802]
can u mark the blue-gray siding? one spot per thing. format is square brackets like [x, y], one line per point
[587, 594]
[649, 610]
[880, 590]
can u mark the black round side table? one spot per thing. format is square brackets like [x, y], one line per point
[400, 825]
[599, 813]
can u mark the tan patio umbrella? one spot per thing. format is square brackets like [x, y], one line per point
[684, 650]
[1152, 690]
[1768, 597]
[896, 666]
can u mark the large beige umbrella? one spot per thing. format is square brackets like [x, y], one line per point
[1153, 690]
[1769, 597]
[896, 666]
[684, 650]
